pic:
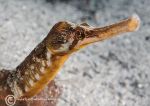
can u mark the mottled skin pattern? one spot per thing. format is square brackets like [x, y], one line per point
[39, 69]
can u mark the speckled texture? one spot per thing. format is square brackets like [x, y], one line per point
[114, 72]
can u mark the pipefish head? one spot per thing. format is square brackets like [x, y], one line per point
[66, 37]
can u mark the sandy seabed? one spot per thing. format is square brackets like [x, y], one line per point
[114, 72]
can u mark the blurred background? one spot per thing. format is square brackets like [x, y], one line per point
[115, 72]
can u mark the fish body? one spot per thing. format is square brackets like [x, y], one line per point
[42, 65]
